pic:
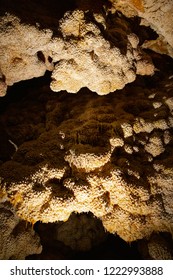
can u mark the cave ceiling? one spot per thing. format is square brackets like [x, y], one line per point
[86, 115]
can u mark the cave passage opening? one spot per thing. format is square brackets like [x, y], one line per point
[69, 240]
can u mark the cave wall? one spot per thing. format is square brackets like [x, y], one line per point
[107, 149]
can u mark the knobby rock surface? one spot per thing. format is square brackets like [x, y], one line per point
[110, 155]
[93, 50]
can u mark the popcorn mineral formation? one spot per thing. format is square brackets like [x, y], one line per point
[89, 52]
[155, 13]
[17, 239]
[156, 247]
[109, 155]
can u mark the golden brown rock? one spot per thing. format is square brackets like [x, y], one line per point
[17, 239]
[157, 14]
[89, 60]
[81, 232]
[88, 52]
[156, 247]
[110, 156]
[20, 45]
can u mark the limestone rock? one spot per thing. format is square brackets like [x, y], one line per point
[110, 156]
[17, 239]
[89, 60]
[3, 86]
[88, 52]
[159, 249]
[20, 46]
[157, 14]
[81, 232]
[156, 247]
[159, 45]
[87, 48]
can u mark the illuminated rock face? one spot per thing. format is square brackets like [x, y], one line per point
[87, 48]
[89, 60]
[89, 52]
[17, 239]
[156, 13]
[108, 155]
[19, 51]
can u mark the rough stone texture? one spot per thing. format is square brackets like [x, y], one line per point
[86, 53]
[89, 60]
[87, 48]
[158, 14]
[108, 155]
[159, 45]
[20, 45]
[81, 232]
[17, 239]
[156, 247]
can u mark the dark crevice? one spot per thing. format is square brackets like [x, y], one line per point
[50, 59]
[41, 56]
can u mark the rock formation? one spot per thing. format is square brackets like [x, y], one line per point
[17, 239]
[158, 14]
[81, 232]
[108, 155]
[19, 51]
[87, 53]
[89, 60]
[156, 248]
